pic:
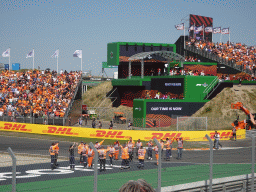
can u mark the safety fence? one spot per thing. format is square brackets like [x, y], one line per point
[126, 121]
[208, 166]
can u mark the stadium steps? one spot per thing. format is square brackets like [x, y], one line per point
[217, 89]
[216, 58]
[75, 96]
[102, 105]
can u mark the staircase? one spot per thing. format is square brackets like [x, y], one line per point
[75, 96]
[215, 88]
[217, 59]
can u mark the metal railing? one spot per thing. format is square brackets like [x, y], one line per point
[214, 57]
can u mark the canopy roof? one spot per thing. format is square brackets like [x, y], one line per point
[159, 55]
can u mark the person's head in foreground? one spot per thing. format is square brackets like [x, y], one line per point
[136, 186]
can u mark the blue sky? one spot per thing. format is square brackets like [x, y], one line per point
[47, 25]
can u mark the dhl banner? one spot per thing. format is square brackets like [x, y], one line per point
[115, 134]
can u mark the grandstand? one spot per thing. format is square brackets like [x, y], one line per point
[38, 94]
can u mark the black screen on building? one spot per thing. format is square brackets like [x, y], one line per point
[165, 85]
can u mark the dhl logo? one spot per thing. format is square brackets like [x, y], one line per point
[109, 134]
[15, 127]
[223, 135]
[164, 136]
[60, 130]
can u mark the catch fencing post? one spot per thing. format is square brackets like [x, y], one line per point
[13, 169]
[159, 164]
[95, 166]
[211, 162]
[206, 123]
[177, 123]
[253, 160]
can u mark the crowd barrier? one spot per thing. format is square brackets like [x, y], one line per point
[115, 134]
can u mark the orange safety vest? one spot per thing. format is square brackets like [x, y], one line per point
[84, 150]
[125, 154]
[180, 144]
[102, 153]
[90, 153]
[111, 151]
[156, 149]
[150, 145]
[130, 146]
[138, 144]
[141, 153]
[116, 146]
[57, 149]
[80, 148]
[168, 144]
[51, 150]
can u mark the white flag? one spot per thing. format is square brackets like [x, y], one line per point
[30, 54]
[217, 30]
[225, 31]
[78, 53]
[56, 54]
[6, 53]
[198, 29]
[208, 29]
[191, 28]
[180, 26]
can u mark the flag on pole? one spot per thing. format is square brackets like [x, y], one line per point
[208, 29]
[225, 31]
[6, 53]
[217, 30]
[180, 26]
[191, 28]
[198, 29]
[78, 53]
[56, 54]
[30, 54]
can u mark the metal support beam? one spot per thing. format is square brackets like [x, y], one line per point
[253, 160]
[211, 162]
[13, 169]
[142, 68]
[130, 69]
[159, 164]
[96, 156]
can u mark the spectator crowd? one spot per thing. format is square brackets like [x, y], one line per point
[235, 52]
[37, 93]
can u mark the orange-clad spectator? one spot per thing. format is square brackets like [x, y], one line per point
[111, 154]
[79, 151]
[156, 153]
[130, 146]
[102, 157]
[138, 145]
[125, 157]
[116, 146]
[141, 157]
[98, 144]
[90, 154]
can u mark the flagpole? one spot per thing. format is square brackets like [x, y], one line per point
[194, 31]
[33, 59]
[10, 59]
[184, 40]
[229, 35]
[203, 32]
[58, 62]
[212, 35]
[57, 65]
[82, 62]
[220, 36]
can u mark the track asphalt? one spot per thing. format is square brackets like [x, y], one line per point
[193, 166]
